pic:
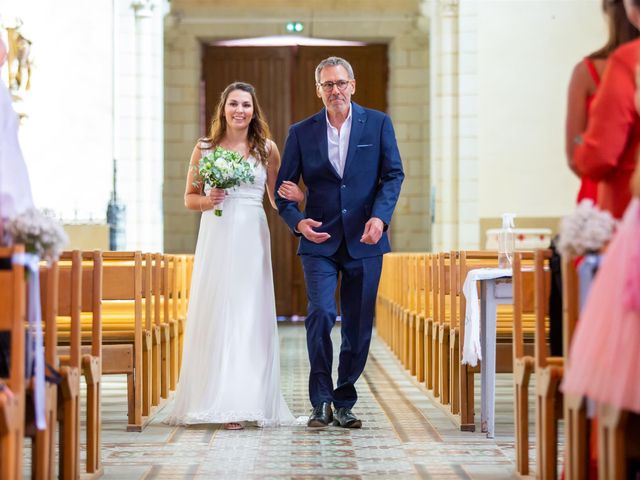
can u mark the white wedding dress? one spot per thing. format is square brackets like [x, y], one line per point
[231, 362]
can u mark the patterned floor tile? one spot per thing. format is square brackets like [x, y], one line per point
[405, 434]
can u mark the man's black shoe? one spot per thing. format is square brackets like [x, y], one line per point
[346, 419]
[321, 416]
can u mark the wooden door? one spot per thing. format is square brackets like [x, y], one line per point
[284, 81]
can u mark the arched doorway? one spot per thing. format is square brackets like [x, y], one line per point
[282, 69]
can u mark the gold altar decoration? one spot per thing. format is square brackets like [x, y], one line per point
[19, 65]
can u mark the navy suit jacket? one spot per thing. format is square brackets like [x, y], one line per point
[370, 185]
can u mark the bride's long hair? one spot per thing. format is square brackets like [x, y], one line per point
[258, 133]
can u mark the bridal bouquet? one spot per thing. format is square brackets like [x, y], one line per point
[586, 230]
[223, 169]
[40, 233]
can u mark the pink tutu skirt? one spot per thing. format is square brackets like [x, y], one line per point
[605, 351]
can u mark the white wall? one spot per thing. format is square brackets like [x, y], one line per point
[66, 140]
[526, 52]
[96, 94]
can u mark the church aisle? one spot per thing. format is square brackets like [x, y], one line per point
[405, 434]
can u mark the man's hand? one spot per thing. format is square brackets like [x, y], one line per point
[372, 231]
[306, 226]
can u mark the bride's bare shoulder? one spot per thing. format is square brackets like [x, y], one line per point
[204, 143]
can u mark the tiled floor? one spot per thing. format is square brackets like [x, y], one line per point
[405, 434]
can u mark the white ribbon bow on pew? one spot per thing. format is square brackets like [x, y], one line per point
[34, 349]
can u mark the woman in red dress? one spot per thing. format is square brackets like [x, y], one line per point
[584, 82]
[607, 151]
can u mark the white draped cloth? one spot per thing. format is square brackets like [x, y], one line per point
[15, 190]
[471, 349]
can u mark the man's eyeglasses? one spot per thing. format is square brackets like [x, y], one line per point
[328, 86]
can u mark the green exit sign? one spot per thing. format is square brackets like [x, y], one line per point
[296, 27]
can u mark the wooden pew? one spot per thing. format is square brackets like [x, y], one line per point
[455, 341]
[549, 372]
[166, 321]
[576, 427]
[91, 352]
[523, 365]
[434, 354]
[446, 304]
[618, 441]
[411, 312]
[387, 301]
[430, 307]
[92, 361]
[70, 305]
[12, 320]
[43, 443]
[127, 338]
[422, 309]
[183, 282]
[155, 328]
[173, 315]
[395, 305]
[185, 303]
[402, 310]
[381, 315]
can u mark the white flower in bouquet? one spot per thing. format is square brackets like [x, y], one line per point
[40, 233]
[586, 230]
[223, 169]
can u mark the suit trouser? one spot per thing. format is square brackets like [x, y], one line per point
[358, 289]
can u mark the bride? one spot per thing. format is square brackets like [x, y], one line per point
[231, 364]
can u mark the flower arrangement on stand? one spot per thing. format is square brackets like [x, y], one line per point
[39, 231]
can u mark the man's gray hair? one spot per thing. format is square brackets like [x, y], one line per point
[334, 62]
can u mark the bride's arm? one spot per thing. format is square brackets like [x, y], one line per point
[273, 165]
[193, 195]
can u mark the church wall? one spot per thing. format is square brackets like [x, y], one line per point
[83, 111]
[395, 23]
[526, 53]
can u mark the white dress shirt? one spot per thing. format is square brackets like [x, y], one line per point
[338, 142]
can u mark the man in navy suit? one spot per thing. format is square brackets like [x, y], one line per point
[348, 158]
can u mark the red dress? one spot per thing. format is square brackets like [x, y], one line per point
[588, 187]
[608, 151]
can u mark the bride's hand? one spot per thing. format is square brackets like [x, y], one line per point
[291, 191]
[213, 198]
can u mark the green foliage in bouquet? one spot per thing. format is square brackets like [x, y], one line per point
[223, 169]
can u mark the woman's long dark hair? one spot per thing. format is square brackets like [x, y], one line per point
[258, 129]
[621, 30]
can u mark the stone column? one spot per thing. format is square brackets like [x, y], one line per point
[453, 126]
[444, 95]
[467, 115]
[144, 218]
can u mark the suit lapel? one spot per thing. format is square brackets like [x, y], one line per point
[323, 145]
[358, 121]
